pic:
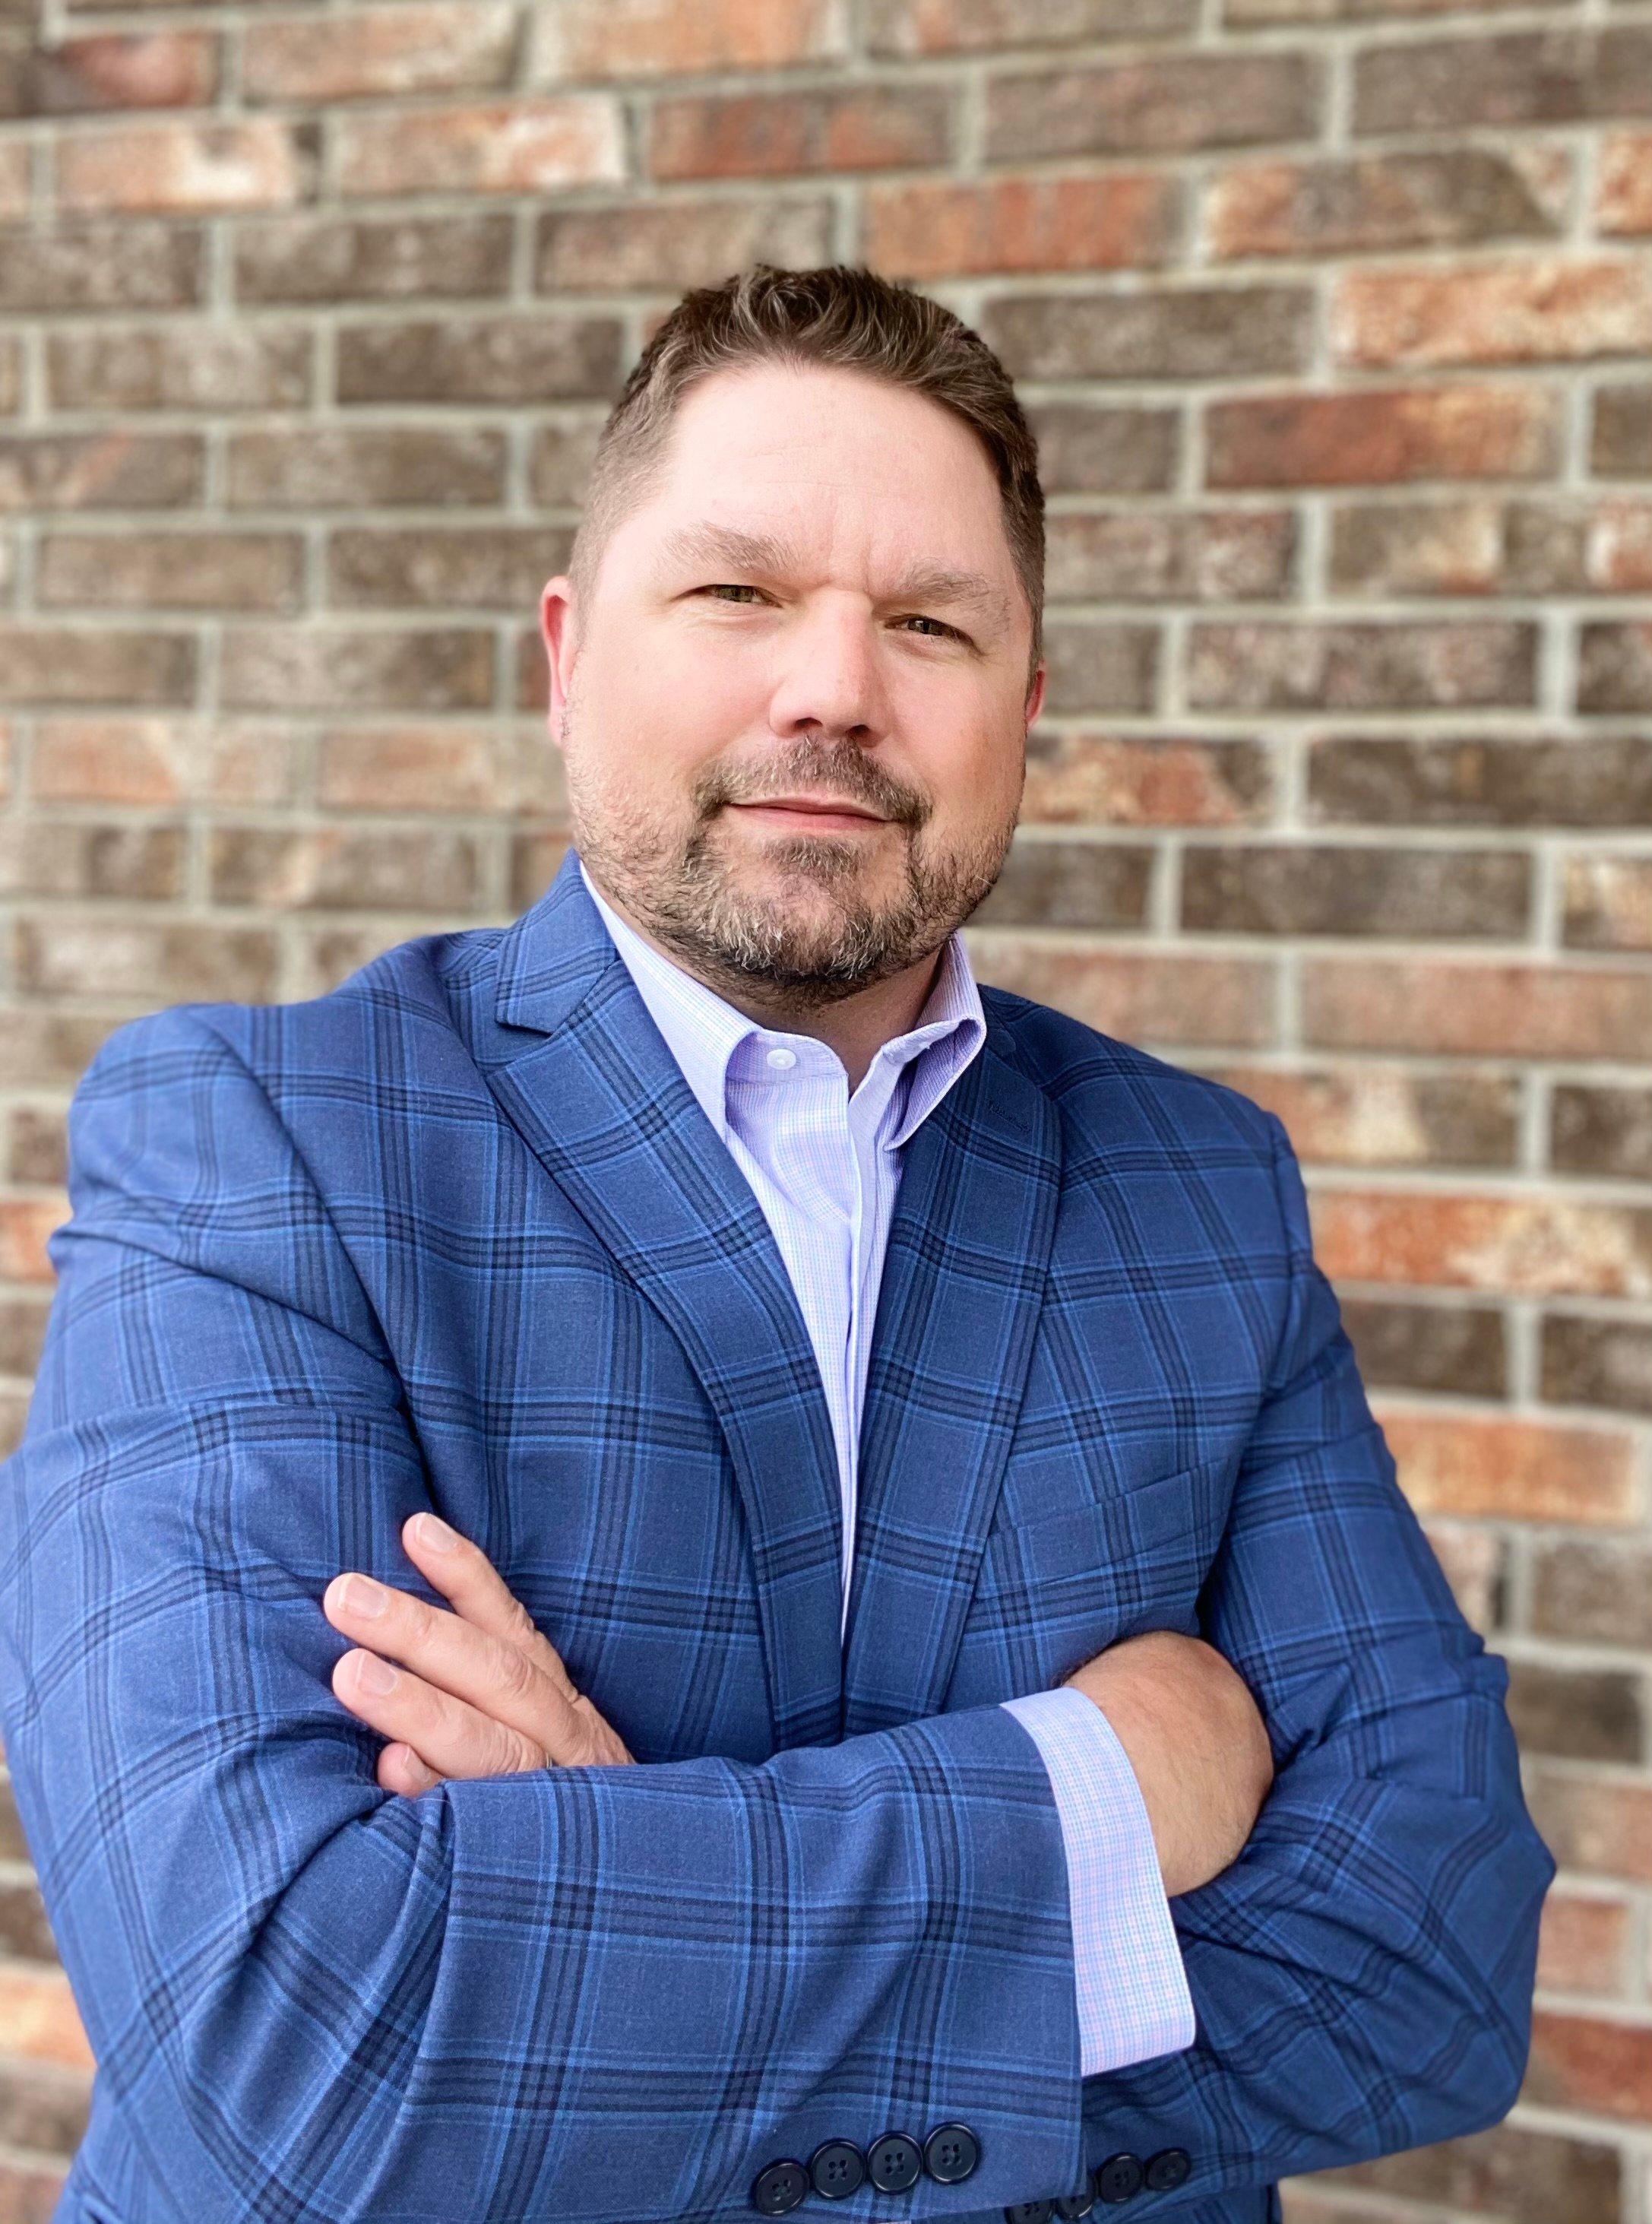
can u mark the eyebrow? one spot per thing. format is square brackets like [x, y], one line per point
[764, 552]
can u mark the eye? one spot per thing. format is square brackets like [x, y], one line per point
[729, 588]
[945, 630]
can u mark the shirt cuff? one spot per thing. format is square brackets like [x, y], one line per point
[1134, 2001]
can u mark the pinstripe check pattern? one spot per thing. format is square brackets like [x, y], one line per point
[824, 1164]
[458, 1235]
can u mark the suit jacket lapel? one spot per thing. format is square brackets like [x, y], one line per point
[963, 1283]
[583, 1072]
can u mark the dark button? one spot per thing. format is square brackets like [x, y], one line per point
[1028, 2212]
[780, 2187]
[1075, 2204]
[894, 2162]
[1118, 2178]
[837, 2167]
[1167, 2169]
[950, 2153]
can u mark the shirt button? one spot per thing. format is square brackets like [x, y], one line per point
[779, 1060]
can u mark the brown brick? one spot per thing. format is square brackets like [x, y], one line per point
[1293, 887]
[947, 27]
[534, 359]
[99, 471]
[145, 69]
[1600, 1825]
[1249, 15]
[1480, 781]
[1586, 2062]
[418, 49]
[1527, 2177]
[1622, 441]
[25, 1223]
[41, 1049]
[507, 147]
[1368, 1114]
[38, 2014]
[187, 168]
[366, 465]
[760, 134]
[24, 1930]
[932, 228]
[218, 367]
[1189, 332]
[656, 38]
[559, 461]
[1524, 1245]
[1077, 778]
[156, 964]
[1586, 1362]
[1398, 667]
[102, 266]
[1593, 1594]
[1472, 1560]
[1474, 1465]
[1479, 546]
[1581, 1714]
[1600, 1130]
[343, 868]
[1615, 666]
[171, 571]
[1549, 309]
[333, 258]
[454, 769]
[88, 664]
[536, 853]
[1452, 197]
[356, 668]
[1515, 78]
[1623, 197]
[1060, 883]
[45, 2109]
[1139, 555]
[23, 1330]
[47, 858]
[38, 1147]
[159, 761]
[1475, 1009]
[1583, 1945]
[15, 191]
[1171, 998]
[675, 244]
[1089, 447]
[1456, 1348]
[1163, 105]
[1376, 438]
[1097, 665]
[481, 567]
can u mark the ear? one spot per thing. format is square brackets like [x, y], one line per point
[559, 631]
[1035, 699]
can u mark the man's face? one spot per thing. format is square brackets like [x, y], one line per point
[775, 623]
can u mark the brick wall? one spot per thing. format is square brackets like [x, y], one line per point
[1334, 317]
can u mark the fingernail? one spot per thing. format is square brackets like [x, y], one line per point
[374, 1674]
[435, 1532]
[363, 1595]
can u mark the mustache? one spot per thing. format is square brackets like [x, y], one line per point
[849, 776]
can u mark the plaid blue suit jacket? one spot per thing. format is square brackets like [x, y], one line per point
[458, 1235]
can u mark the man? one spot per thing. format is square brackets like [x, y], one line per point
[912, 1513]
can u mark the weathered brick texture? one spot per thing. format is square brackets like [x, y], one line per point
[1333, 319]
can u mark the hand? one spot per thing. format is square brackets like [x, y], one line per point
[480, 1692]
[1194, 1736]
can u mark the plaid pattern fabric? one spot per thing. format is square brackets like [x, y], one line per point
[458, 1235]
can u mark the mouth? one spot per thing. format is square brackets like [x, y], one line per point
[796, 814]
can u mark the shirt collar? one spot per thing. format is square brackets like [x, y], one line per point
[703, 1030]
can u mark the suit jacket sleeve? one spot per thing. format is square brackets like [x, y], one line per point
[579, 1993]
[1362, 1975]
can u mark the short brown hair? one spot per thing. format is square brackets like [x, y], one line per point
[850, 318]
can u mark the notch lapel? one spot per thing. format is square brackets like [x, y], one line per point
[958, 1309]
[583, 1074]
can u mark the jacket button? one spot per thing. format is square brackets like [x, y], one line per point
[950, 2153]
[1071, 2205]
[1118, 2178]
[1167, 2169]
[780, 2187]
[1028, 2212]
[894, 2162]
[837, 2167]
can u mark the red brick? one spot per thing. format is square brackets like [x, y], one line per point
[85, 664]
[313, 667]
[25, 1223]
[675, 244]
[659, 38]
[1376, 438]
[115, 470]
[39, 2019]
[1525, 1245]
[171, 571]
[932, 229]
[1478, 1010]
[1623, 197]
[948, 27]
[1370, 1115]
[1399, 667]
[1472, 1465]
[1456, 196]
[1587, 2062]
[1165, 104]
[1584, 1944]
[159, 761]
[180, 962]
[1600, 1825]
[1547, 310]
[147, 69]
[1076, 778]
[1608, 903]
[256, 162]
[418, 49]
[194, 366]
[759, 135]
[509, 147]
[1173, 998]
[1141, 555]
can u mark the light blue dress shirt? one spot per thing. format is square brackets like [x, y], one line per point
[824, 1166]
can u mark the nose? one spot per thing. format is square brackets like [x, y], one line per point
[830, 680]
